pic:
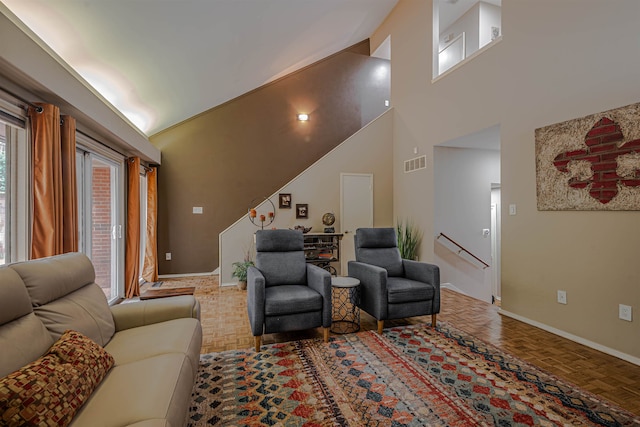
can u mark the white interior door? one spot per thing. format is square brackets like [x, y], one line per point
[356, 210]
[495, 243]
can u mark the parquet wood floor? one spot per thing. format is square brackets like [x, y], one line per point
[226, 327]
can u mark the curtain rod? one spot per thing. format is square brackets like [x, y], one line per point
[38, 108]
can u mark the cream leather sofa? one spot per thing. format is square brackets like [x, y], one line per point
[155, 344]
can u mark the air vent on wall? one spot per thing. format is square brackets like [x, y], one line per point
[415, 164]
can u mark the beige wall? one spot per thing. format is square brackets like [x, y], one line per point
[557, 60]
[223, 159]
[367, 151]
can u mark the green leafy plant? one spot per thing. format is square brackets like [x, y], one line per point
[409, 237]
[240, 269]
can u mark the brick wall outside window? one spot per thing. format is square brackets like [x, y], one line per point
[101, 226]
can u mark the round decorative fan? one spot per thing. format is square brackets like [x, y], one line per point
[328, 219]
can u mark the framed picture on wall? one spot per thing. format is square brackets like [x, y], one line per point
[302, 210]
[285, 200]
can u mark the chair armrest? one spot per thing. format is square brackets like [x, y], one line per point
[319, 280]
[255, 300]
[422, 272]
[135, 314]
[427, 273]
[373, 288]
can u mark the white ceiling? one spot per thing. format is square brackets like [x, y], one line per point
[160, 62]
[163, 61]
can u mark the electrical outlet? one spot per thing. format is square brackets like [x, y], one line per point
[624, 312]
[562, 297]
[167, 256]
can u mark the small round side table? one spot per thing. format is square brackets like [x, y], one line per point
[345, 297]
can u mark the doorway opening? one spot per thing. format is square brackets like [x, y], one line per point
[467, 206]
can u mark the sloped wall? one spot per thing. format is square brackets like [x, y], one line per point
[224, 158]
[367, 151]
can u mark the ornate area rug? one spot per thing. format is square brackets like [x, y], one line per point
[409, 376]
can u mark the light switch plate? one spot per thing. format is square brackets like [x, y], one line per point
[624, 312]
[562, 297]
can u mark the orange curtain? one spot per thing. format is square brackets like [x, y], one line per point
[132, 248]
[69, 185]
[150, 269]
[54, 226]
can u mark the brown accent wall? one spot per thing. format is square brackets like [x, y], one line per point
[251, 146]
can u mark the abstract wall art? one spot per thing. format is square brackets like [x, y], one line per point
[590, 163]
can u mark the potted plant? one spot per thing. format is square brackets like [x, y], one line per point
[408, 240]
[240, 267]
[240, 272]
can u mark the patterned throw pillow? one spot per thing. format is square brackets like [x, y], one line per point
[50, 390]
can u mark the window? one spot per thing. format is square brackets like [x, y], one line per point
[13, 192]
[100, 176]
[4, 199]
[100, 186]
[462, 29]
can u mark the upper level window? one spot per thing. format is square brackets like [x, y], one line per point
[462, 28]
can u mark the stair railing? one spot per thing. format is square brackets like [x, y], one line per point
[462, 249]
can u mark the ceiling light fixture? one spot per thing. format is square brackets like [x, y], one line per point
[303, 117]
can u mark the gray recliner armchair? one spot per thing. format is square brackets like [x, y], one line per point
[392, 287]
[284, 292]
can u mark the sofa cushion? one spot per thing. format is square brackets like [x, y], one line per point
[52, 388]
[65, 296]
[22, 341]
[23, 337]
[48, 279]
[85, 310]
[173, 336]
[157, 388]
[14, 299]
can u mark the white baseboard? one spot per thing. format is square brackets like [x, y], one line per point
[452, 287]
[173, 276]
[228, 284]
[610, 351]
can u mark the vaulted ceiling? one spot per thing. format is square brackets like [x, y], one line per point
[161, 62]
